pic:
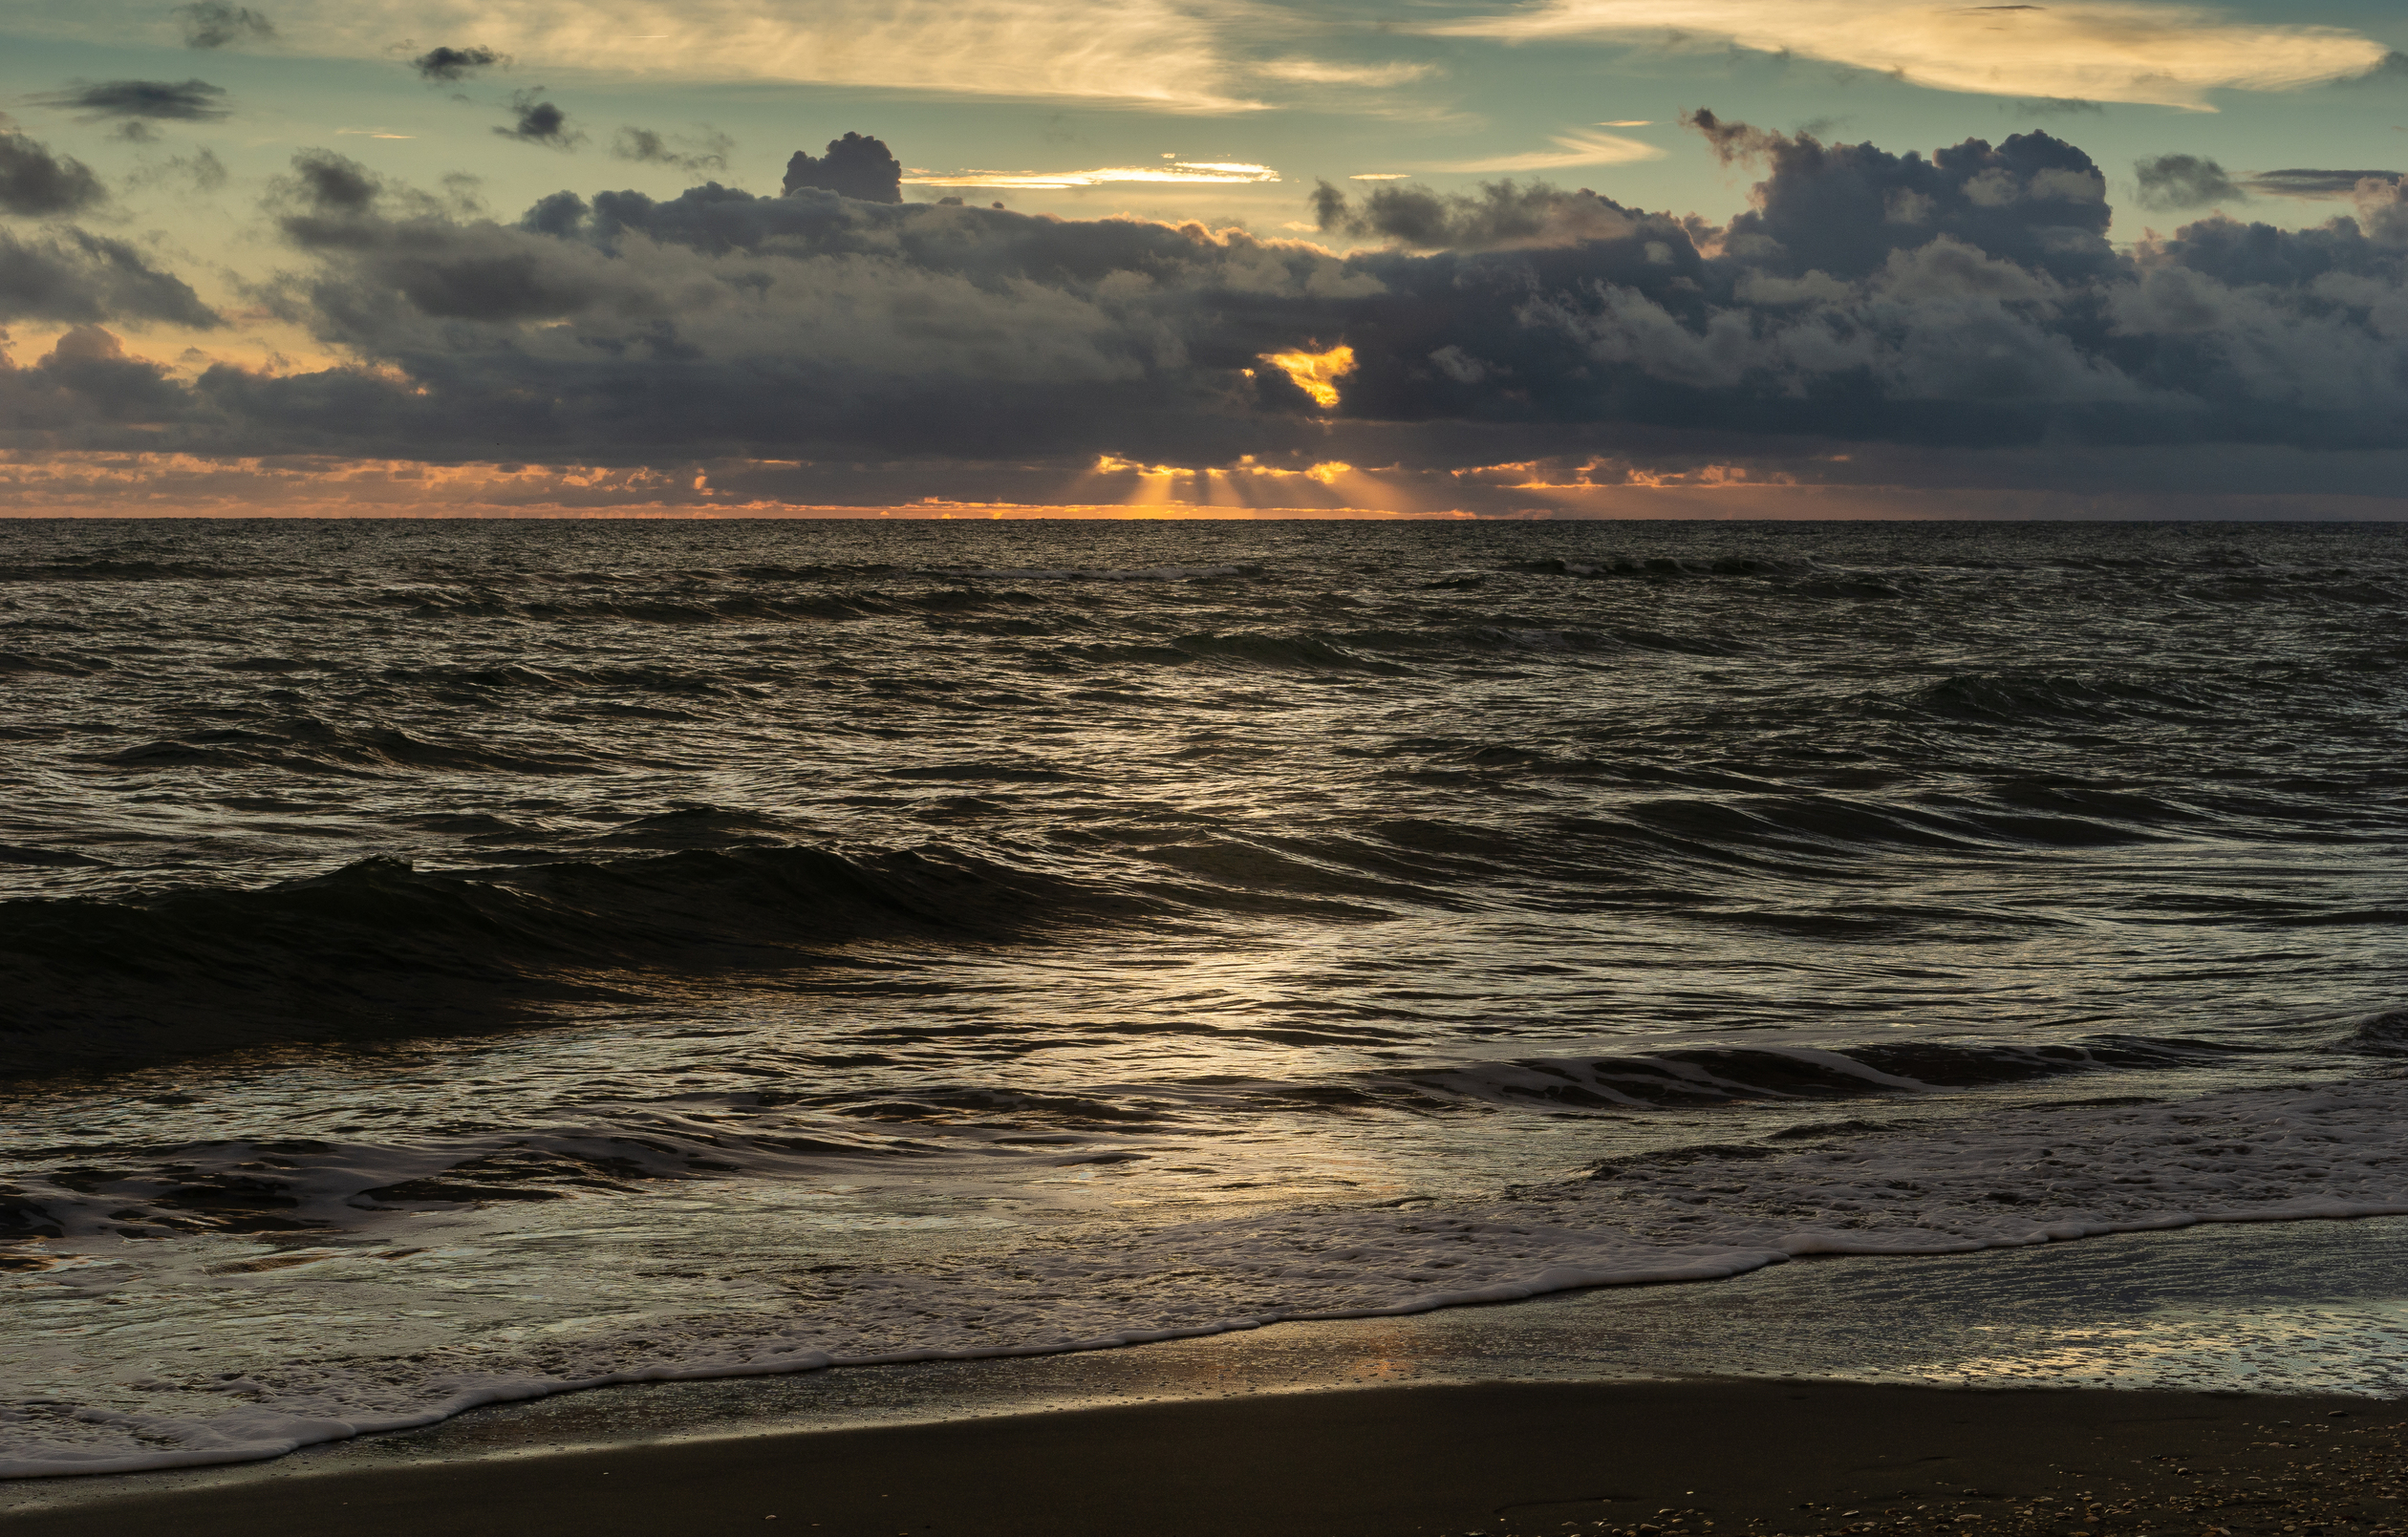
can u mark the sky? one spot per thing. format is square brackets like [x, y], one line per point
[1422, 258]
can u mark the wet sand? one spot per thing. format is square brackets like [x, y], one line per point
[1734, 1457]
[1520, 1417]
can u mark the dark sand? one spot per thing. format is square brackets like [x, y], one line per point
[1749, 1457]
[1522, 1418]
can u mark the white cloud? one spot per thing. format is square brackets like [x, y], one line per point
[1207, 172]
[1166, 53]
[1319, 72]
[2133, 51]
[1571, 149]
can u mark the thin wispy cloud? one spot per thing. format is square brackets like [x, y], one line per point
[1322, 72]
[1190, 173]
[161, 100]
[2130, 50]
[1153, 52]
[1572, 149]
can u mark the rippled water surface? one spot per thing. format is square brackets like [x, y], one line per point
[446, 961]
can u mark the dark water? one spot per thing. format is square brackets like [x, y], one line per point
[618, 946]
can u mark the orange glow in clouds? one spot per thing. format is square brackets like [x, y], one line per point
[1316, 372]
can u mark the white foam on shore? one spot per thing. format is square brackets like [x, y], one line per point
[2029, 1176]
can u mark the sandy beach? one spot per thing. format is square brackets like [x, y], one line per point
[1729, 1456]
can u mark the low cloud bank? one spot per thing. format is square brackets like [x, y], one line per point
[1967, 300]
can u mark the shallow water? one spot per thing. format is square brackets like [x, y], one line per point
[454, 961]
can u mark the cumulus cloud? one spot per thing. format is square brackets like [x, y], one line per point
[538, 121]
[1501, 215]
[1962, 300]
[36, 183]
[2139, 51]
[446, 63]
[76, 276]
[707, 152]
[2184, 181]
[155, 101]
[216, 24]
[854, 166]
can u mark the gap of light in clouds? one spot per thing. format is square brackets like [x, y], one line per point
[2098, 50]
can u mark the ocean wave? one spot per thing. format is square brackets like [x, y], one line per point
[1718, 1076]
[306, 743]
[379, 947]
[704, 608]
[2010, 700]
[102, 568]
[1091, 573]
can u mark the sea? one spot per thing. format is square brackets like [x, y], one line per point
[444, 963]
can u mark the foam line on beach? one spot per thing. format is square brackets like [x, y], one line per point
[2047, 1175]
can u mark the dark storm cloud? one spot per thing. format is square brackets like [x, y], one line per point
[2184, 181]
[87, 387]
[455, 63]
[854, 167]
[1501, 214]
[161, 100]
[215, 24]
[1843, 209]
[540, 122]
[1964, 300]
[75, 276]
[646, 147]
[36, 183]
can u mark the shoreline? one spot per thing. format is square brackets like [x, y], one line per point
[2199, 1317]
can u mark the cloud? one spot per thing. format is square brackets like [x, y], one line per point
[1168, 54]
[2189, 182]
[36, 183]
[1215, 172]
[75, 276]
[2302, 182]
[1321, 71]
[2169, 54]
[644, 146]
[158, 101]
[199, 172]
[216, 24]
[540, 122]
[2184, 181]
[1571, 149]
[2051, 107]
[1914, 309]
[445, 63]
[1499, 216]
[854, 166]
